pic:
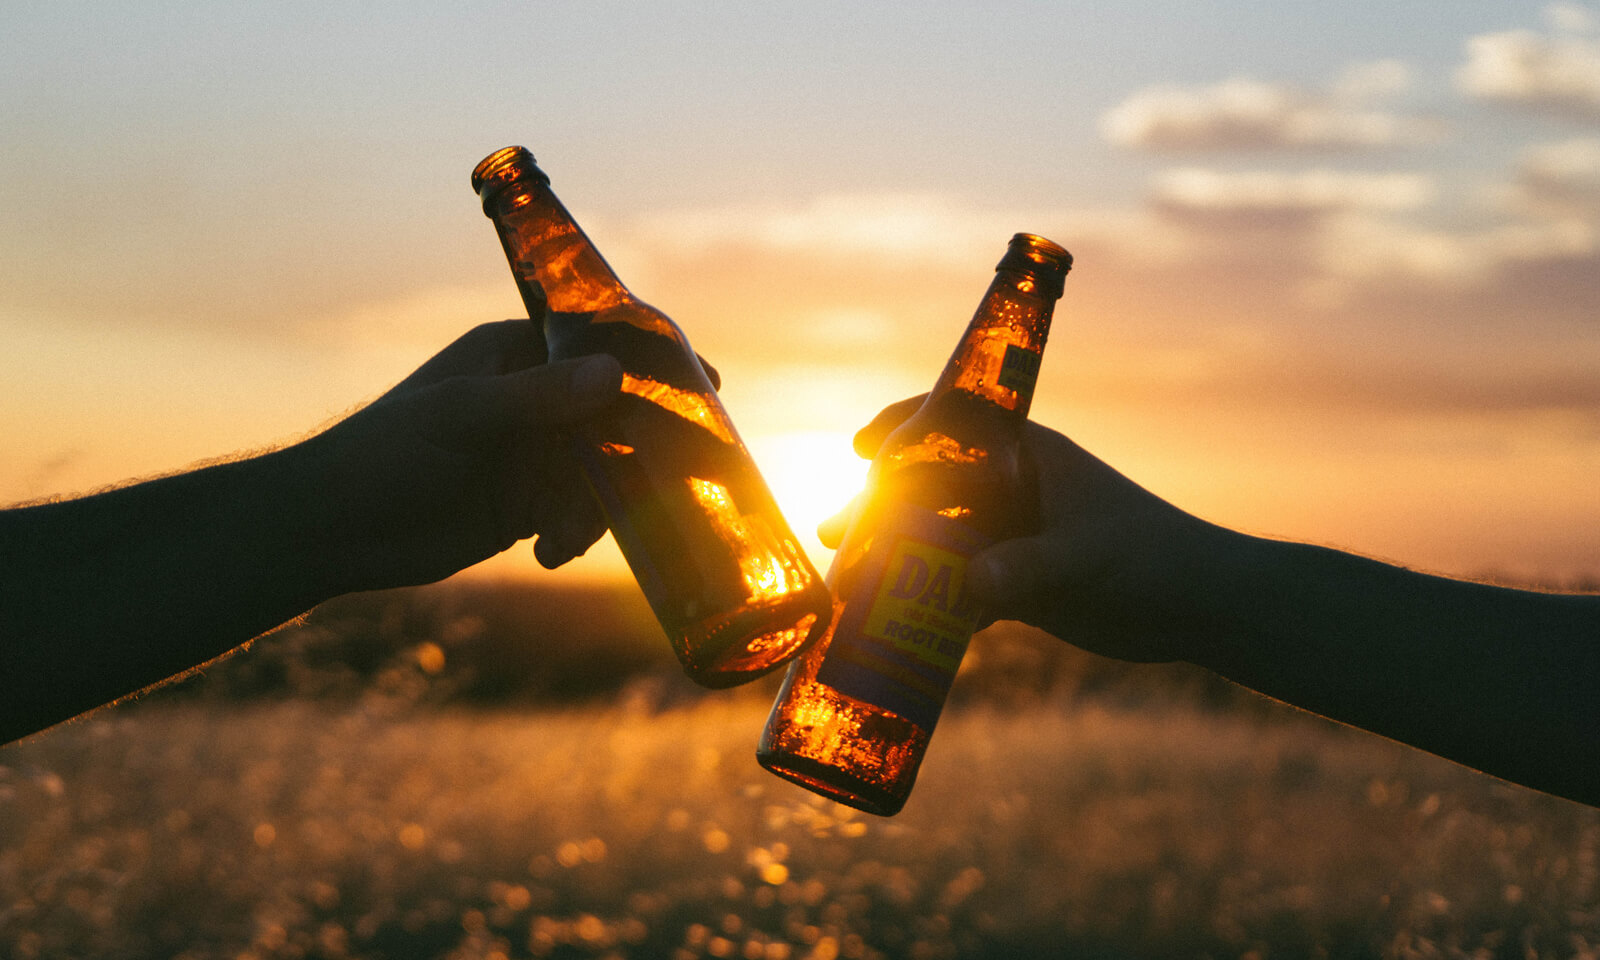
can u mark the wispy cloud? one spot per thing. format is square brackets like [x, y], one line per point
[1370, 248]
[1347, 227]
[836, 277]
[891, 227]
[1243, 113]
[1317, 192]
[1556, 70]
[1560, 179]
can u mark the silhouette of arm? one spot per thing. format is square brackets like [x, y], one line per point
[1505, 681]
[108, 594]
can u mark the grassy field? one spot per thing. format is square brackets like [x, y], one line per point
[389, 822]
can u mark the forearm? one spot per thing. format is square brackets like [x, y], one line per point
[1505, 681]
[106, 595]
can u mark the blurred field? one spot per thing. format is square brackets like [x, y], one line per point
[346, 790]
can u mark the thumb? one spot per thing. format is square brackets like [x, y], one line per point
[559, 393]
[832, 530]
[1008, 580]
[870, 437]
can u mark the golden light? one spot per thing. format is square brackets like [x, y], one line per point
[687, 404]
[767, 574]
[813, 475]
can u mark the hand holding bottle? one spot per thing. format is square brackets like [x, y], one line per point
[856, 712]
[690, 512]
[462, 459]
[1502, 680]
[1105, 569]
[107, 594]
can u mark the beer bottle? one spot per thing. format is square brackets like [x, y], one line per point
[719, 565]
[856, 710]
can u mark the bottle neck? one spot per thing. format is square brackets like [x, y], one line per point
[998, 357]
[554, 262]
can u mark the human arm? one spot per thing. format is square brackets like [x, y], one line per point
[105, 595]
[1506, 681]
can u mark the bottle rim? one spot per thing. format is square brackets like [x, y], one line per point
[1043, 250]
[1045, 260]
[502, 168]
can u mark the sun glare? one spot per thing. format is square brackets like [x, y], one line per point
[813, 475]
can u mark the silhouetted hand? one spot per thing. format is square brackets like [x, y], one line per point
[465, 457]
[103, 595]
[1105, 565]
[1502, 680]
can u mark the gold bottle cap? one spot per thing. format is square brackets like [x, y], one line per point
[1045, 260]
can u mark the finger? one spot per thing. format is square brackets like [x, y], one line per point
[570, 520]
[832, 530]
[485, 350]
[571, 533]
[569, 539]
[1007, 579]
[555, 394]
[711, 372]
[522, 344]
[870, 437]
[549, 554]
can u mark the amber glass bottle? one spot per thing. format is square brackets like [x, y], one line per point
[856, 711]
[695, 521]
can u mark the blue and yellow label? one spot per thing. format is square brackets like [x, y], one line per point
[907, 617]
[921, 608]
[1019, 370]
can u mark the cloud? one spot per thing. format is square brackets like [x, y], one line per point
[1283, 224]
[1560, 179]
[836, 278]
[1311, 192]
[1373, 247]
[1556, 71]
[1330, 234]
[417, 317]
[894, 228]
[1247, 114]
[1394, 374]
[1551, 205]
[1570, 17]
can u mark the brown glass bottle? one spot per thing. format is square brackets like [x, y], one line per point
[684, 500]
[855, 713]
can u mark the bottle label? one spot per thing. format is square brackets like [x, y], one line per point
[1019, 370]
[907, 617]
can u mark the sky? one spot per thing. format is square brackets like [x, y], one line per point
[1337, 266]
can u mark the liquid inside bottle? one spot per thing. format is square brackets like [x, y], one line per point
[697, 524]
[856, 712]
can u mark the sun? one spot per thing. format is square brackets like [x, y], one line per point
[813, 475]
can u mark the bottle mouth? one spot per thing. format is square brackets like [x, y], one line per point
[1043, 251]
[503, 168]
[1047, 261]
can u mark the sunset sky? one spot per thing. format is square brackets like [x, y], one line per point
[1338, 265]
